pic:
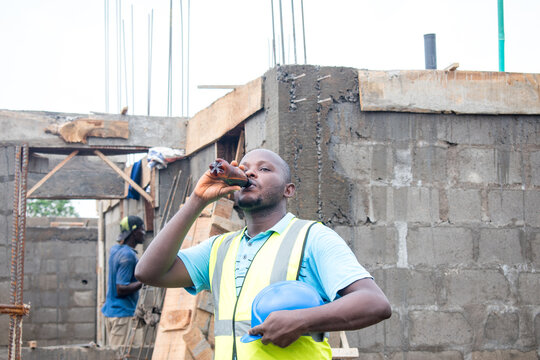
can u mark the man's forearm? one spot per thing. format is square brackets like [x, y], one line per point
[356, 310]
[160, 255]
[125, 290]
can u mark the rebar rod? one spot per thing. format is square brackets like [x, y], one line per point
[273, 34]
[303, 30]
[187, 68]
[293, 32]
[182, 57]
[132, 65]
[150, 38]
[282, 38]
[169, 80]
[17, 249]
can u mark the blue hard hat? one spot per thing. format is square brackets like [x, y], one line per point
[283, 295]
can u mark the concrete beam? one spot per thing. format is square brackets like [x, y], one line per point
[144, 131]
[462, 92]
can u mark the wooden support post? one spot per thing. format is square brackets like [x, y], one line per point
[140, 190]
[51, 173]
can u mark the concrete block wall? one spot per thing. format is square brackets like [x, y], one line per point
[60, 282]
[442, 209]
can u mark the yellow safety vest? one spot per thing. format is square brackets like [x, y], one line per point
[278, 259]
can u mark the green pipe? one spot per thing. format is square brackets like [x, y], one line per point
[501, 34]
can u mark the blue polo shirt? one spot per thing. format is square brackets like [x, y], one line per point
[329, 265]
[122, 261]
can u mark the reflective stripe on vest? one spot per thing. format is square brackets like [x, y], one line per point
[279, 258]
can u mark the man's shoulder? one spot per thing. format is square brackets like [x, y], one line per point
[125, 252]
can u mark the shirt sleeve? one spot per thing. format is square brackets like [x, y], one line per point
[126, 269]
[197, 262]
[330, 263]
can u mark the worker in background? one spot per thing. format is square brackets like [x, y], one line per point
[352, 298]
[123, 287]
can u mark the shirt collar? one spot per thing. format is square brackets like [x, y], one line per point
[279, 227]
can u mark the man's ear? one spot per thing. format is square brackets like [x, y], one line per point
[290, 189]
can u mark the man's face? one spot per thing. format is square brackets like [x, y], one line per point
[267, 176]
[139, 235]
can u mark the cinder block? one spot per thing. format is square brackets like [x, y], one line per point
[535, 167]
[464, 206]
[500, 246]
[359, 209]
[504, 354]
[47, 282]
[82, 331]
[399, 127]
[396, 333]
[477, 166]
[476, 287]
[352, 160]
[422, 205]
[529, 288]
[502, 328]
[5, 234]
[5, 265]
[7, 160]
[379, 203]
[402, 167]
[82, 282]
[374, 245]
[45, 315]
[54, 298]
[433, 246]
[411, 287]
[534, 240]
[532, 204]
[5, 286]
[82, 265]
[427, 355]
[466, 129]
[79, 314]
[426, 329]
[382, 164]
[370, 339]
[4, 335]
[506, 207]
[83, 298]
[50, 331]
[537, 328]
[429, 165]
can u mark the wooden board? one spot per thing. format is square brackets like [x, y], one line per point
[225, 114]
[463, 92]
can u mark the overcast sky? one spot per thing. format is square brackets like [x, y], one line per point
[53, 52]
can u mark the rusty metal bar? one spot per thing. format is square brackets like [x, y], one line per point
[17, 253]
[14, 309]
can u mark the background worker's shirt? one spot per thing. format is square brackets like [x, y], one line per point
[122, 263]
[329, 265]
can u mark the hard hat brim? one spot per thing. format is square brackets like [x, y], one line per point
[249, 338]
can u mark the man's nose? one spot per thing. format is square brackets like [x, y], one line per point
[250, 173]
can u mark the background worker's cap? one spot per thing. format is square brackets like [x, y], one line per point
[128, 225]
[283, 295]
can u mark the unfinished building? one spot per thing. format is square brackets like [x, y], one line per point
[432, 178]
